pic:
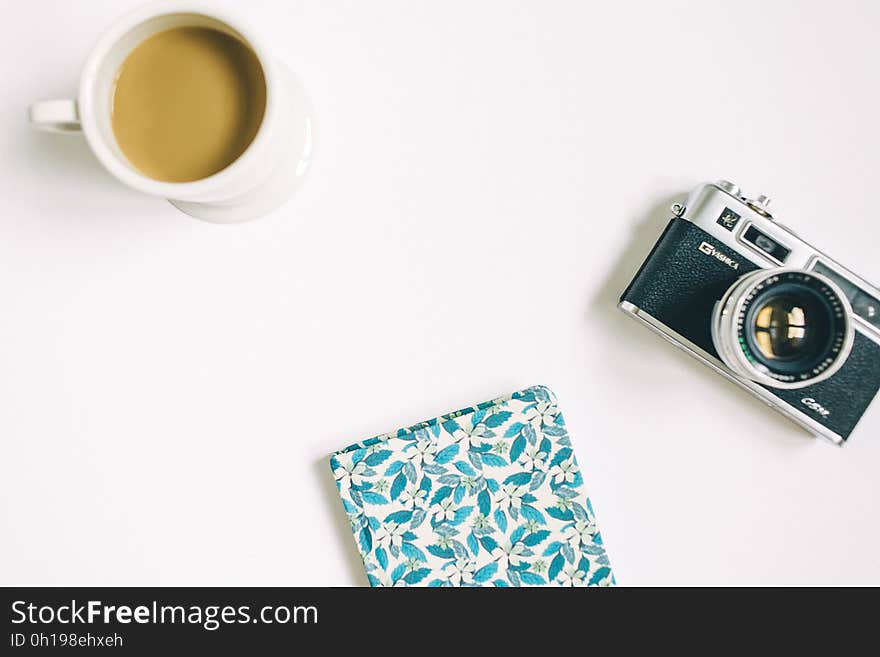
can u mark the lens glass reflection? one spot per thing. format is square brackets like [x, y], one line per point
[781, 329]
[790, 328]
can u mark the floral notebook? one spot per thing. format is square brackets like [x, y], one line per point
[487, 496]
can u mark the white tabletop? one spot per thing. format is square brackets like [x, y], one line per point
[488, 177]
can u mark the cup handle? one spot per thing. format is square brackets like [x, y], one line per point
[60, 116]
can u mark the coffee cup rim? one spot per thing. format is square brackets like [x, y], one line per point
[125, 171]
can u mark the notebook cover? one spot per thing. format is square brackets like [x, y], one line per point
[490, 495]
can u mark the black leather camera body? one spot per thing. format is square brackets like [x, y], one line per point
[746, 296]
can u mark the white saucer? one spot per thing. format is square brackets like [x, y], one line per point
[288, 174]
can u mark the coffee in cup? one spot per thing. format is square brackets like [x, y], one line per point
[180, 99]
[187, 102]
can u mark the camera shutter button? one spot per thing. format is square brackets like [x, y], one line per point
[729, 187]
[759, 204]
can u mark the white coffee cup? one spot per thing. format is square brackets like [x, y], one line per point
[261, 179]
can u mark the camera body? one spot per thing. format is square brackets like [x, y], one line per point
[749, 298]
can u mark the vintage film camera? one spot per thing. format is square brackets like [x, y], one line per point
[748, 297]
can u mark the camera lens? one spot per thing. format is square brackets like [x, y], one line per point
[783, 328]
[789, 330]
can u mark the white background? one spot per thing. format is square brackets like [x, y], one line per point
[488, 177]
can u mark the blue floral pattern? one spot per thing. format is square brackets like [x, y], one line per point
[487, 496]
